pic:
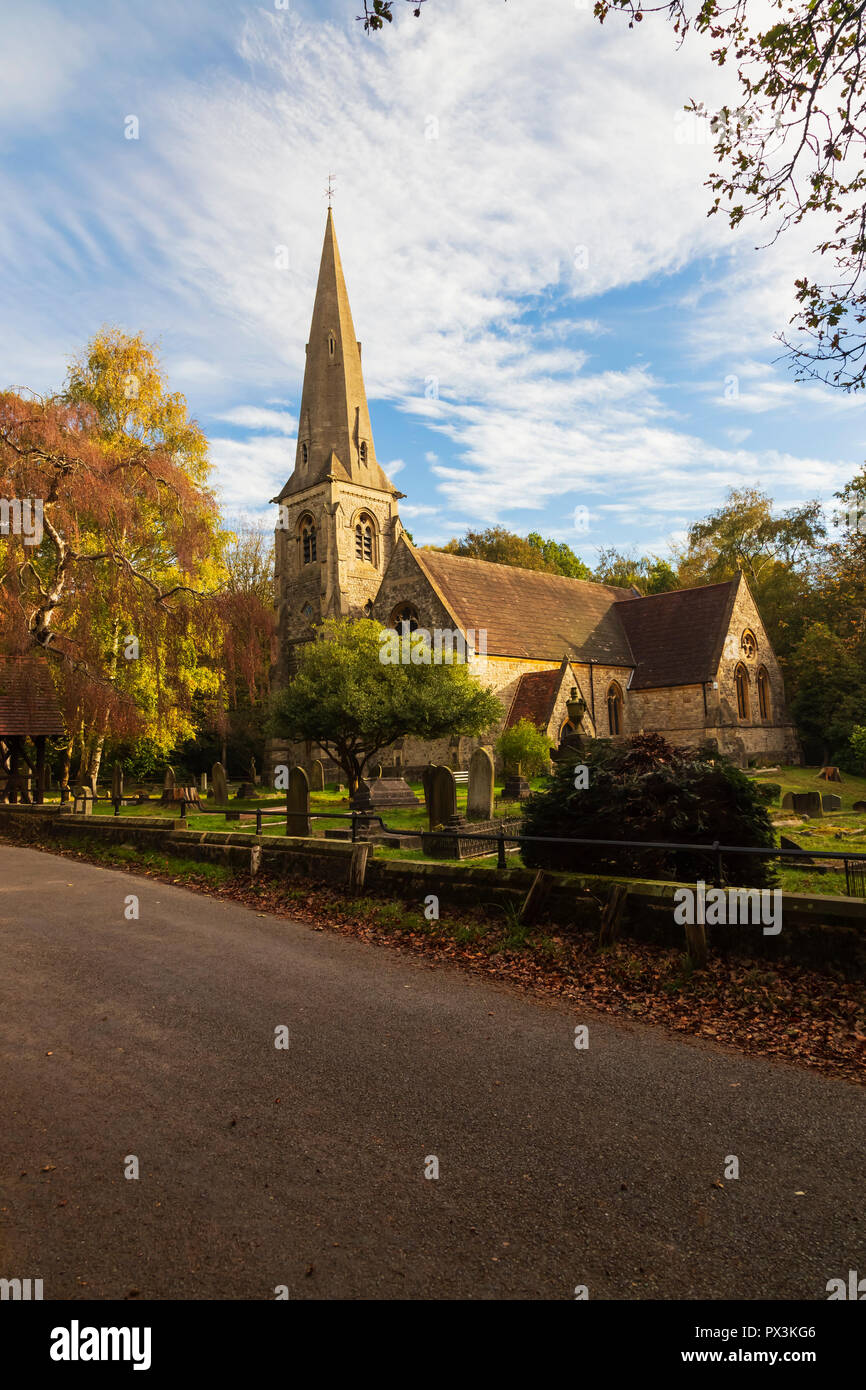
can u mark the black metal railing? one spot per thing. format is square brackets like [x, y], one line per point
[854, 864]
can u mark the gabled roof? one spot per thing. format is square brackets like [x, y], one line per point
[535, 698]
[530, 613]
[677, 638]
[28, 701]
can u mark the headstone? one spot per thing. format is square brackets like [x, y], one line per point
[202, 783]
[84, 800]
[117, 783]
[298, 803]
[831, 802]
[253, 775]
[443, 797]
[785, 843]
[169, 783]
[808, 804]
[220, 786]
[788, 801]
[479, 800]
[860, 805]
[317, 776]
[427, 783]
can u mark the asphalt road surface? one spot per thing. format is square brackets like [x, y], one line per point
[305, 1167]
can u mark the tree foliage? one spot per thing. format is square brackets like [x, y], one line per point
[526, 746]
[349, 702]
[503, 547]
[643, 788]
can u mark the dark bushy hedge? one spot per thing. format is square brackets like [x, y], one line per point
[645, 789]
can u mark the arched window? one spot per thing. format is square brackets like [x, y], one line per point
[567, 728]
[307, 532]
[742, 680]
[614, 710]
[764, 693]
[304, 453]
[365, 539]
[749, 643]
[405, 614]
[363, 451]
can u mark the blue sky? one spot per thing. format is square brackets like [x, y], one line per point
[555, 336]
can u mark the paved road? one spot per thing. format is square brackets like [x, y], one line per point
[305, 1167]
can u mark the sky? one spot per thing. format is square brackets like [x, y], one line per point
[556, 336]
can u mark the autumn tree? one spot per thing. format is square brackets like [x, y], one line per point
[648, 574]
[353, 704]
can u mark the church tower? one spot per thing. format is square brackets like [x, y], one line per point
[338, 521]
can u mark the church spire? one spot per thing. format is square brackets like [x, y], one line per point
[334, 433]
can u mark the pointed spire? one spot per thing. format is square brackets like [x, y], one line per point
[334, 431]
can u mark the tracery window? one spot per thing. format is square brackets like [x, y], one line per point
[748, 643]
[405, 613]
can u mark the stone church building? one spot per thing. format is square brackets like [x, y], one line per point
[691, 664]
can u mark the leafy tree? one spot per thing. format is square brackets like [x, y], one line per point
[503, 547]
[829, 692]
[649, 574]
[778, 554]
[645, 789]
[527, 745]
[352, 704]
[856, 759]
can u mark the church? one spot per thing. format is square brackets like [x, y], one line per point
[691, 664]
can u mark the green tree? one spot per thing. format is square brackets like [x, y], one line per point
[649, 574]
[352, 704]
[500, 546]
[526, 745]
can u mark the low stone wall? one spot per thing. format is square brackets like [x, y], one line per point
[815, 929]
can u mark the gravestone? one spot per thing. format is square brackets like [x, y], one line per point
[427, 783]
[83, 800]
[788, 801]
[831, 802]
[479, 800]
[808, 804]
[117, 783]
[202, 783]
[220, 786]
[516, 786]
[169, 783]
[253, 775]
[298, 803]
[317, 776]
[860, 805]
[443, 797]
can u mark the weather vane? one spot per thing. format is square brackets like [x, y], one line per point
[330, 188]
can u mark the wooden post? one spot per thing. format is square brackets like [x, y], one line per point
[39, 791]
[612, 914]
[696, 944]
[535, 898]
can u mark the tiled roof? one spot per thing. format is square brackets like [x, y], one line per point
[28, 701]
[677, 637]
[529, 613]
[535, 697]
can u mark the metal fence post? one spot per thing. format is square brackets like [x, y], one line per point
[500, 850]
[183, 810]
[258, 820]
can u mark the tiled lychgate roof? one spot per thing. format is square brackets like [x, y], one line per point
[677, 637]
[529, 613]
[28, 701]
